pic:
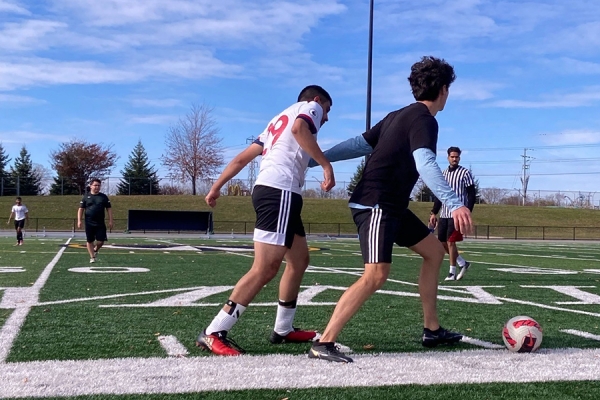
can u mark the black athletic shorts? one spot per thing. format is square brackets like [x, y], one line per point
[379, 230]
[95, 232]
[447, 232]
[20, 224]
[277, 216]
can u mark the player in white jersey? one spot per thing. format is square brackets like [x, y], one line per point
[287, 144]
[21, 214]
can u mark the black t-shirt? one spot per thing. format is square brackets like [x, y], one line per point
[390, 172]
[94, 205]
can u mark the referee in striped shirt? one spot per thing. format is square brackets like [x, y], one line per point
[461, 181]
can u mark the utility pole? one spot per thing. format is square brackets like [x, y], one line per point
[525, 178]
[251, 167]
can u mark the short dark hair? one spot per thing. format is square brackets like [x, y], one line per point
[18, 198]
[429, 76]
[95, 180]
[454, 149]
[312, 91]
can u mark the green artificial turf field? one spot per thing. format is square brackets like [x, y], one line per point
[125, 326]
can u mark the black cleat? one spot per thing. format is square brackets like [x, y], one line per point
[441, 336]
[327, 351]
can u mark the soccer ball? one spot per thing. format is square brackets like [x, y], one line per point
[522, 334]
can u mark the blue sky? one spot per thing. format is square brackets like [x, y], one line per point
[116, 71]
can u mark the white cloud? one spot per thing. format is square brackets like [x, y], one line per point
[11, 7]
[28, 137]
[16, 99]
[27, 35]
[26, 72]
[161, 103]
[587, 97]
[572, 137]
[153, 119]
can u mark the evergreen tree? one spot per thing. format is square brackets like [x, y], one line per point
[27, 182]
[356, 177]
[64, 186]
[138, 176]
[5, 178]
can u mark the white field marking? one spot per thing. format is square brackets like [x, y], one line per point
[172, 346]
[535, 256]
[481, 343]
[11, 269]
[189, 374]
[13, 324]
[115, 296]
[581, 334]
[108, 270]
[571, 291]
[529, 303]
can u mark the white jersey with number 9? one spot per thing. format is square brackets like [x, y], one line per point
[284, 162]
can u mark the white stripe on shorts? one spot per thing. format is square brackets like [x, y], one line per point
[374, 235]
[284, 211]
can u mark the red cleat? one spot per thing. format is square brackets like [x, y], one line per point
[218, 343]
[295, 336]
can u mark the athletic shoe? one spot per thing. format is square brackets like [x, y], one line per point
[16, 244]
[295, 336]
[450, 277]
[327, 351]
[218, 343]
[463, 270]
[21, 243]
[441, 336]
[92, 260]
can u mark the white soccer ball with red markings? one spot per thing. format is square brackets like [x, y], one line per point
[522, 334]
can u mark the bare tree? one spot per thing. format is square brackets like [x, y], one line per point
[193, 149]
[494, 195]
[44, 175]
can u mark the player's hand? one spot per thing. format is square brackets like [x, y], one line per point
[328, 178]
[79, 224]
[433, 220]
[110, 224]
[212, 196]
[462, 220]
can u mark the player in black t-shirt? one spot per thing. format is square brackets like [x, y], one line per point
[93, 204]
[403, 147]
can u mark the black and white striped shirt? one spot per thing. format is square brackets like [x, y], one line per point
[459, 180]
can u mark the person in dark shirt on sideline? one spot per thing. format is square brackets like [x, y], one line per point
[93, 204]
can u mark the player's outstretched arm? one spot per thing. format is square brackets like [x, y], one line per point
[232, 169]
[346, 150]
[307, 142]
[432, 176]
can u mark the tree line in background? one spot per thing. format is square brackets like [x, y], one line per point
[192, 152]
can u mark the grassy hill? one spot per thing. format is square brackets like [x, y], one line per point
[51, 209]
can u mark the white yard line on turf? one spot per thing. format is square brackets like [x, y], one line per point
[200, 374]
[13, 324]
[581, 334]
[172, 346]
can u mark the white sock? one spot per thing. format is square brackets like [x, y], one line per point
[284, 320]
[461, 261]
[224, 321]
[453, 269]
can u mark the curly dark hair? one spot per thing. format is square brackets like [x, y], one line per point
[429, 76]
